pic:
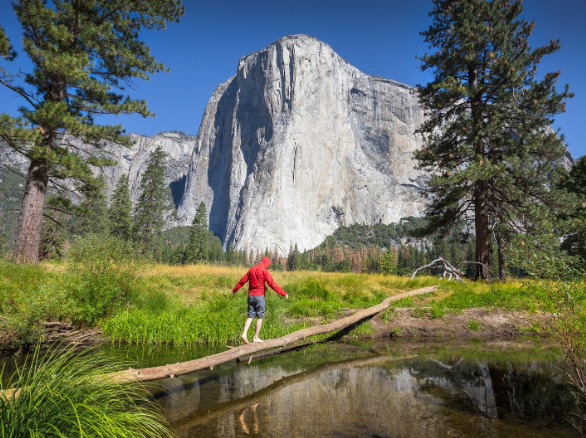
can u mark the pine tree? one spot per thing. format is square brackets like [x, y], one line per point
[388, 262]
[149, 209]
[92, 213]
[83, 54]
[231, 255]
[574, 181]
[197, 248]
[120, 213]
[293, 259]
[489, 144]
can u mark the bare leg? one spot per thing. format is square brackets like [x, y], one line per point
[257, 330]
[244, 336]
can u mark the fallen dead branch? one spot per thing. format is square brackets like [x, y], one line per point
[449, 269]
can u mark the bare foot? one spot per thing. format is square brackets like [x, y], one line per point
[257, 340]
[244, 339]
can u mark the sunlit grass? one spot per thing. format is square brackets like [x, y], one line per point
[66, 394]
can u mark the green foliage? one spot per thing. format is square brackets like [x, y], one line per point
[100, 279]
[52, 235]
[474, 325]
[11, 189]
[215, 319]
[197, 248]
[104, 272]
[92, 212]
[388, 262]
[119, 214]
[293, 259]
[61, 395]
[561, 292]
[489, 144]
[151, 203]
[574, 181]
[175, 242]
[83, 55]
[497, 295]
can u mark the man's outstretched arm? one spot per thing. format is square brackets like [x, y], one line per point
[273, 285]
[241, 283]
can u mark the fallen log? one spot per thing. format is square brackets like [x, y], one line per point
[178, 369]
[274, 352]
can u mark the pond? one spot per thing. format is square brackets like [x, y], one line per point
[367, 389]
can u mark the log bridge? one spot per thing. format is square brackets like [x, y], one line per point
[178, 369]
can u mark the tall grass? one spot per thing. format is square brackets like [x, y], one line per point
[65, 394]
[192, 304]
[98, 279]
[214, 319]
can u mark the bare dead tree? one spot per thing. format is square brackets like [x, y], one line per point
[449, 269]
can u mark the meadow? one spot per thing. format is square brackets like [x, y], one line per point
[146, 303]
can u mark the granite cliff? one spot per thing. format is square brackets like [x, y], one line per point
[299, 142]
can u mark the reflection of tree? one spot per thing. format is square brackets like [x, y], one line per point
[523, 390]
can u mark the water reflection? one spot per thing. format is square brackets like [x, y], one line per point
[337, 391]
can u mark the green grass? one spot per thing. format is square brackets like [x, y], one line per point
[102, 284]
[217, 318]
[61, 396]
[474, 325]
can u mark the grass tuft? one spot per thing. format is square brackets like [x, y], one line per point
[61, 395]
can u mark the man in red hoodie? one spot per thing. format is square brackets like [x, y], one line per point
[257, 276]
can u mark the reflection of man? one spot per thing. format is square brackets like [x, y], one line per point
[257, 276]
[255, 426]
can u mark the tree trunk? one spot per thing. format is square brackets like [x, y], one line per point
[501, 256]
[31, 213]
[482, 231]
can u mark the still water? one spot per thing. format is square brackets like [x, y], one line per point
[375, 390]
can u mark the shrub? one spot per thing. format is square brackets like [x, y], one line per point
[104, 272]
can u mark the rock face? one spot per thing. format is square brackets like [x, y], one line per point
[134, 161]
[299, 142]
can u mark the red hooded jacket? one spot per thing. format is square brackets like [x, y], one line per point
[257, 276]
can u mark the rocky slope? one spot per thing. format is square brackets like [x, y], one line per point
[299, 142]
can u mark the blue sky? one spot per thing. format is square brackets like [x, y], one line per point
[378, 37]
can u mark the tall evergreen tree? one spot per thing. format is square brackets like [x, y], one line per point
[92, 213]
[293, 259]
[388, 262]
[574, 182]
[83, 54]
[149, 209]
[197, 248]
[120, 213]
[488, 137]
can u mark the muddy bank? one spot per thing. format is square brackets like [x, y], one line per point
[472, 323]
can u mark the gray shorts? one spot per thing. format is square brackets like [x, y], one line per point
[256, 306]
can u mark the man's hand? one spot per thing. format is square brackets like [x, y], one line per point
[286, 296]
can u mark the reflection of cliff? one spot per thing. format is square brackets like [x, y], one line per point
[369, 397]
